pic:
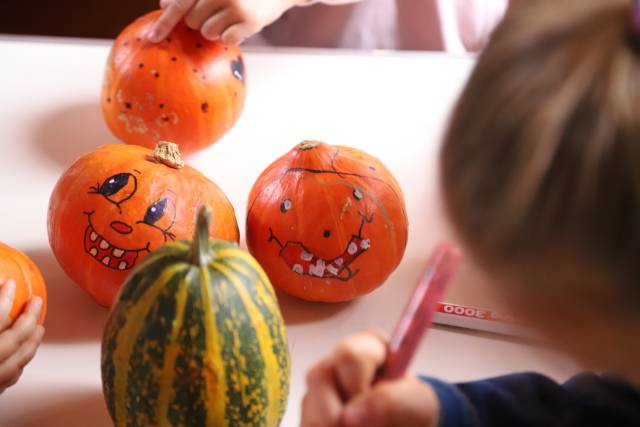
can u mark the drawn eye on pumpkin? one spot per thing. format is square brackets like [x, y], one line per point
[161, 215]
[286, 205]
[357, 194]
[117, 189]
[237, 69]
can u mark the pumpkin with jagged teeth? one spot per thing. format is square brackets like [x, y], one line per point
[118, 203]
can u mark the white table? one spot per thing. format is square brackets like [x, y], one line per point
[392, 105]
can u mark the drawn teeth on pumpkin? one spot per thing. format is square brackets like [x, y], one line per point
[365, 244]
[338, 261]
[106, 260]
[333, 270]
[117, 253]
[93, 252]
[122, 265]
[297, 268]
[104, 244]
[93, 236]
[352, 249]
[306, 256]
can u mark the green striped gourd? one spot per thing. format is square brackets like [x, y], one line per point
[196, 339]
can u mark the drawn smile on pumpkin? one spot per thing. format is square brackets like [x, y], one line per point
[107, 254]
[303, 261]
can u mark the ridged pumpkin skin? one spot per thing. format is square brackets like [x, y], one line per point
[196, 341]
[116, 204]
[185, 88]
[17, 266]
[327, 223]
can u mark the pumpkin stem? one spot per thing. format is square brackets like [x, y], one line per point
[168, 154]
[308, 145]
[200, 248]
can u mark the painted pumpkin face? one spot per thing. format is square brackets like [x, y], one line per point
[184, 88]
[16, 266]
[327, 223]
[116, 204]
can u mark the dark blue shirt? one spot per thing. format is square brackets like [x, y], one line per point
[528, 400]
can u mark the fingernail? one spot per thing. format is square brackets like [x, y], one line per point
[153, 36]
[355, 414]
[40, 331]
[37, 303]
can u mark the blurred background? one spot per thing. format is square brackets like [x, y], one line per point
[71, 18]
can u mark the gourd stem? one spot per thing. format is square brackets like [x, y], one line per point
[200, 248]
[168, 153]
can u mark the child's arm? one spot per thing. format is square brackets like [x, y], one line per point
[340, 393]
[232, 21]
[18, 341]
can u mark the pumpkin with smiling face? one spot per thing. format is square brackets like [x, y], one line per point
[116, 204]
[185, 88]
[327, 223]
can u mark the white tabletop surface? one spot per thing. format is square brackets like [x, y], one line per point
[392, 105]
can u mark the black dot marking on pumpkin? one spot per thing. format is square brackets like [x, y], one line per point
[226, 48]
[156, 74]
[128, 105]
[371, 168]
[174, 59]
[204, 107]
[109, 100]
[165, 118]
[195, 70]
[161, 106]
[237, 68]
[138, 39]
[285, 206]
[141, 65]
[198, 45]
[326, 234]
[125, 44]
[168, 39]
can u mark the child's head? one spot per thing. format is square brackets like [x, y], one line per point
[541, 174]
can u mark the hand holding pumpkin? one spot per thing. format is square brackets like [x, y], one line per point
[341, 390]
[18, 341]
[232, 21]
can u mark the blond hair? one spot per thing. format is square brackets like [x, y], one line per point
[542, 155]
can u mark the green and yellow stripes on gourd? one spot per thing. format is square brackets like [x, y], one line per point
[227, 349]
[240, 266]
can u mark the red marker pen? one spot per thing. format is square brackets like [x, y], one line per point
[418, 314]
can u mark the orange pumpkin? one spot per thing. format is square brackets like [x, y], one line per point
[116, 204]
[185, 88]
[16, 266]
[327, 223]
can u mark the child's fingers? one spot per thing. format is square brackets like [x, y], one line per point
[216, 25]
[404, 403]
[165, 3]
[203, 10]
[237, 33]
[358, 359]
[14, 364]
[22, 329]
[322, 405]
[174, 12]
[7, 294]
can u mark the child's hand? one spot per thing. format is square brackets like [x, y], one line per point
[340, 391]
[18, 342]
[231, 21]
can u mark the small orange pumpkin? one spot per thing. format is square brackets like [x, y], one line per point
[184, 88]
[116, 204]
[327, 223]
[16, 266]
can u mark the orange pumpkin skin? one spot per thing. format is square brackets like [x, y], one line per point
[327, 223]
[16, 266]
[184, 89]
[116, 204]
